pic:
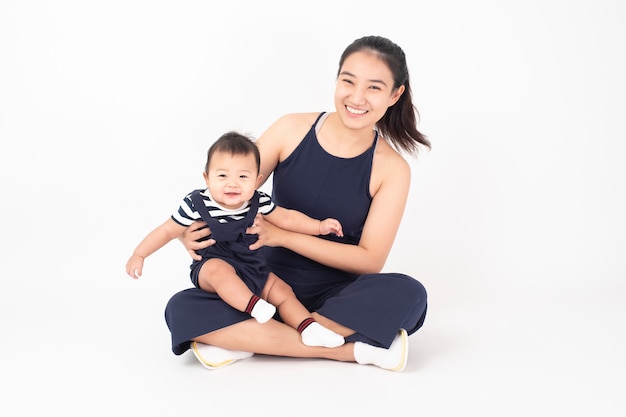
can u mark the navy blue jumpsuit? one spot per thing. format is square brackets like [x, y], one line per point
[320, 185]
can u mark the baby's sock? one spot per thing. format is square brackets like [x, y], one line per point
[314, 334]
[260, 309]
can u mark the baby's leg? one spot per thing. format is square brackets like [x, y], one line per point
[219, 277]
[293, 313]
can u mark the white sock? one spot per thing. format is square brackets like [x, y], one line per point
[394, 358]
[317, 335]
[263, 311]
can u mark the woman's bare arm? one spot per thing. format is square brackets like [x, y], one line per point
[281, 138]
[379, 231]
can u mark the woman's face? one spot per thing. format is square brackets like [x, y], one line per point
[364, 90]
[232, 179]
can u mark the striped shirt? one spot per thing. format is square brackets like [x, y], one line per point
[187, 213]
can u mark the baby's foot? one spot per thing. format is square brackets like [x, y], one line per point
[317, 335]
[263, 311]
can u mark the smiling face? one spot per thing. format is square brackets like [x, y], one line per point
[364, 90]
[232, 179]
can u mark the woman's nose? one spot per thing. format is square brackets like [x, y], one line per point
[358, 96]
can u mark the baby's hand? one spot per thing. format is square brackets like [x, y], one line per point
[331, 226]
[134, 266]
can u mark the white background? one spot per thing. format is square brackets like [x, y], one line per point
[515, 222]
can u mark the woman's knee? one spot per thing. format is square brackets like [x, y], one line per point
[405, 284]
[418, 296]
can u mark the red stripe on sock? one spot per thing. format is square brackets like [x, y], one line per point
[304, 324]
[252, 303]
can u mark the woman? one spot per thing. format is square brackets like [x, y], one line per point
[346, 165]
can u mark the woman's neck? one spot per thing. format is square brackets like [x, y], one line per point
[340, 141]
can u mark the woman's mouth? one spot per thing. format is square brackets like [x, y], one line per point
[355, 111]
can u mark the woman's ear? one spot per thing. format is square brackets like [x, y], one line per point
[395, 96]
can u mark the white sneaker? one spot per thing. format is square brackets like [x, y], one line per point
[213, 357]
[393, 359]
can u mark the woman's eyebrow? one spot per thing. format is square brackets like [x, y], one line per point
[348, 73]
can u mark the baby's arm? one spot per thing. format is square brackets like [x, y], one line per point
[154, 241]
[296, 221]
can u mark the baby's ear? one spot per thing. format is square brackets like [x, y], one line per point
[258, 180]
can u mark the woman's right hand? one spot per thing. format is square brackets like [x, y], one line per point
[268, 233]
[192, 235]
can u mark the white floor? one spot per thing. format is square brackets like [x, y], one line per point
[515, 223]
[502, 354]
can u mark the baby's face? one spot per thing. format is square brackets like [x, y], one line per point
[232, 179]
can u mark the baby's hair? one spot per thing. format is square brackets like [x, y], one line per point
[234, 143]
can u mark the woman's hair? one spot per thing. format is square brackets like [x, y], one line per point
[399, 124]
[234, 143]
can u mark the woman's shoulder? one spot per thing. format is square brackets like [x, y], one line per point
[296, 120]
[282, 137]
[387, 156]
[389, 167]
[287, 128]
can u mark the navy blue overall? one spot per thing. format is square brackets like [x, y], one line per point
[231, 245]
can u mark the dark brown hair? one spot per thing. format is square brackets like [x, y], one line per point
[399, 124]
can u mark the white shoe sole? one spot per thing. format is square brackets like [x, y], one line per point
[402, 338]
[213, 357]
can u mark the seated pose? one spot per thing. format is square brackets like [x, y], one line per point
[229, 268]
[348, 165]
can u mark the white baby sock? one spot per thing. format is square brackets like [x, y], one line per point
[262, 311]
[314, 334]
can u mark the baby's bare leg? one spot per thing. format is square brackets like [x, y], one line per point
[294, 314]
[219, 277]
[278, 293]
[332, 325]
